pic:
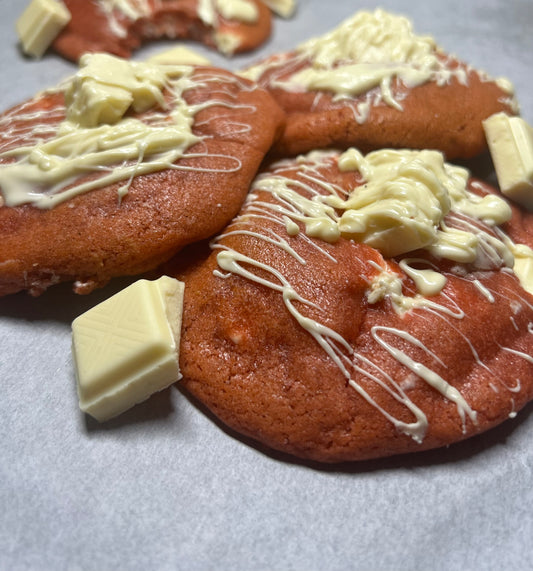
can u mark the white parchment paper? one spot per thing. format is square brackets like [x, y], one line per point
[165, 487]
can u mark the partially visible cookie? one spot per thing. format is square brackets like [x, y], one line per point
[120, 27]
[118, 168]
[372, 83]
[363, 306]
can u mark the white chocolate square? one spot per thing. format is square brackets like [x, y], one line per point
[510, 141]
[39, 25]
[126, 348]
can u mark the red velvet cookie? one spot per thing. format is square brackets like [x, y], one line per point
[360, 307]
[372, 83]
[89, 193]
[120, 27]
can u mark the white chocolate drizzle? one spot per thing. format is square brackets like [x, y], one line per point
[429, 376]
[364, 55]
[484, 290]
[119, 12]
[131, 9]
[400, 207]
[45, 165]
[428, 281]
[521, 354]
[306, 204]
[240, 10]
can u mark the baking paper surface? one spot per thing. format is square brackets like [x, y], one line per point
[164, 486]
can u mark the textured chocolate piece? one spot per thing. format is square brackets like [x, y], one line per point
[126, 348]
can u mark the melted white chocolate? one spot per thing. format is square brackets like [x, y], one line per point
[131, 9]
[208, 10]
[98, 137]
[299, 209]
[240, 10]
[373, 37]
[428, 281]
[400, 207]
[367, 51]
[364, 55]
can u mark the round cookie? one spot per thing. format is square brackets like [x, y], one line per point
[372, 83]
[344, 316]
[114, 171]
[120, 27]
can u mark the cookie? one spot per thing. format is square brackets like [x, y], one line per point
[362, 306]
[126, 162]
[119, 28]
[372, 83]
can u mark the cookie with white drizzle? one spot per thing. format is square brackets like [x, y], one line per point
[373, 83]
[123, 164]
[363, 306]
[119, 27]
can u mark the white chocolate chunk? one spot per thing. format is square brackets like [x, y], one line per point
[126, 348]
[510, 141]
[96, 137]
[39, 25]
[94, 104]
[239, 10]
[227, 43]
[180, 55]
[105, 82]
[283, 8]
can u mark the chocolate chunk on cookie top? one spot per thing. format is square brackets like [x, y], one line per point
[362, 306]
[373, 83]
[120, 166]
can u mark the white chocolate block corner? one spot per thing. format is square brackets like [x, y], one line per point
[126, 348]
[510, 141]
[39, 25]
